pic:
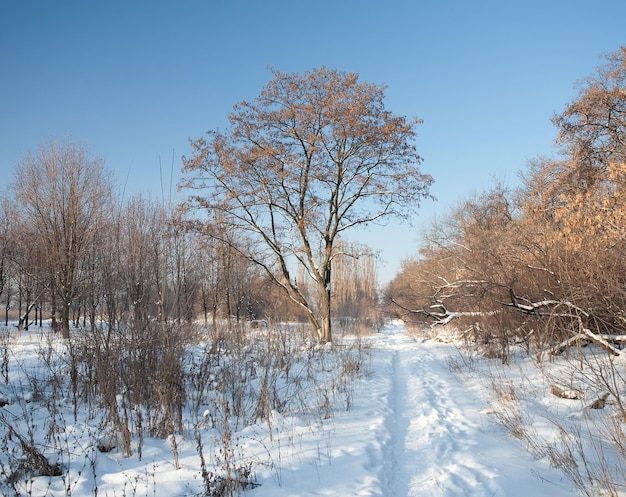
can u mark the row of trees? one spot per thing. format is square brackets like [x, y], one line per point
[543, 263]
[72, 252]
[270, 200]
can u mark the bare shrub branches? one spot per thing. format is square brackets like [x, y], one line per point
[125, 387]
[542, 265]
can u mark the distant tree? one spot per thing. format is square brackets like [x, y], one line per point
[7, 244]
[211, 281]
[313, 156]
[140, 237]
[64, 191]
[229, 284]
[354, 281]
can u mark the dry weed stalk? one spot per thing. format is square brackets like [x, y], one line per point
[591, 451]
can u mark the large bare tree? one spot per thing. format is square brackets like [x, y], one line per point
[64, 192]
[313, 156]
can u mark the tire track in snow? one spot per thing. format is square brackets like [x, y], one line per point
[431, 439]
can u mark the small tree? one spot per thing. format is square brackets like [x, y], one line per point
[314, 155]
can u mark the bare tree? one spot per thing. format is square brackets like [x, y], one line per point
[142, 238]
[63, 191]
[7, 223]
[313, 156]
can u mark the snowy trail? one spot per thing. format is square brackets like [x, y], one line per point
[429, 434]
[413, 429]
[432, 439]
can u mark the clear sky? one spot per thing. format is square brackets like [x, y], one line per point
[135, 80]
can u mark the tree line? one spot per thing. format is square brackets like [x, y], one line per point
[541, 264]
[261, 234]
[74, 253]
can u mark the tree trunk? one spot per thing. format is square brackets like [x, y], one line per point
[7, 307]
[228, 311]
[325, 315]
[326, 332]
[66, 297]
[65, 320]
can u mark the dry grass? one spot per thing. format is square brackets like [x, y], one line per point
[171, 382]
[555, 423]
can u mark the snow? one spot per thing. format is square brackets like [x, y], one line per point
[411, 424]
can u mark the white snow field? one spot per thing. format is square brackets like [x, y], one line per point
[408, 426]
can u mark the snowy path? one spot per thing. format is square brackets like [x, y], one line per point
[433, 440]
[413, 429]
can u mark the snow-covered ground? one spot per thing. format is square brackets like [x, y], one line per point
[414, 430]
[411, 424]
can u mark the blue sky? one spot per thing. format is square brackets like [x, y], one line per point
[135, 80]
